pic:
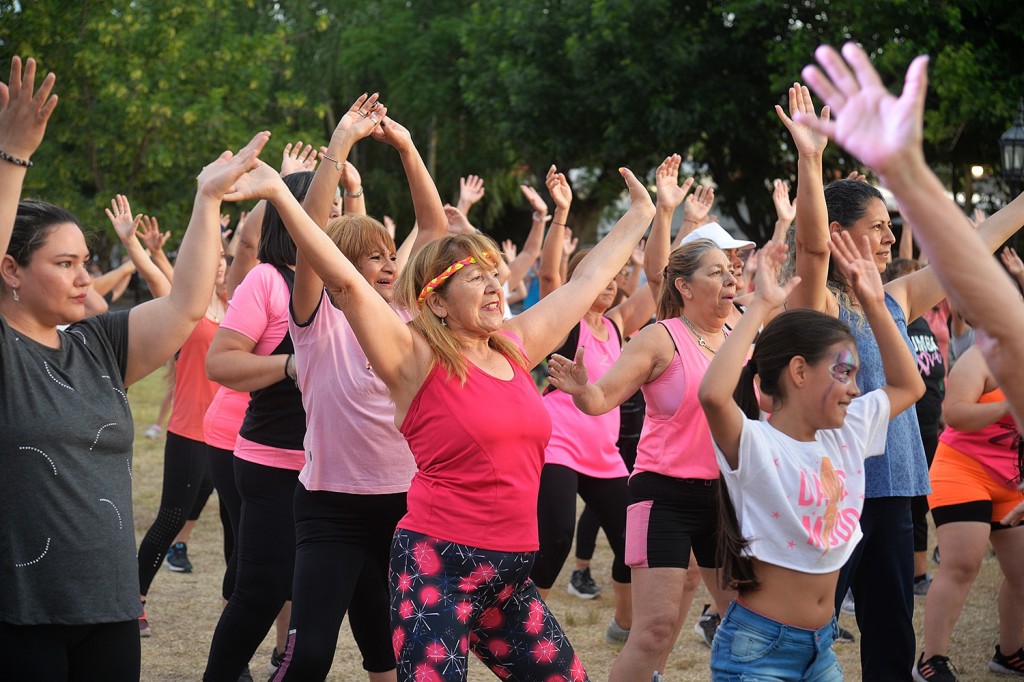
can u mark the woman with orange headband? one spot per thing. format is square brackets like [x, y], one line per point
[465, 401]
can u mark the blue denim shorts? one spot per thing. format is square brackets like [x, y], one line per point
[749, 646]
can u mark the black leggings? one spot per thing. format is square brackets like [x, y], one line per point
[588, 525]
[222, 469]
[266, 555]
[556, 519]
[187, 483]
[342, 552]
[44, 653]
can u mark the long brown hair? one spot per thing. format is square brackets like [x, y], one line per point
[427, 264]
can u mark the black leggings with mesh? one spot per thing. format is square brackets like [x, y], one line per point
[186, 487]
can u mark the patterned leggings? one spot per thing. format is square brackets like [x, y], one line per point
[447, 599]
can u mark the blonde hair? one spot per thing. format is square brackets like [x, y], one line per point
[683, 262]
[359, 235]
[428, 263]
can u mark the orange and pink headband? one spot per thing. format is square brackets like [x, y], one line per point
[438, 282]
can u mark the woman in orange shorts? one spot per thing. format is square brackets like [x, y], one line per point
[975, 477]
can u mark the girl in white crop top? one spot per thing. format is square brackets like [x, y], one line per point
[796, 482]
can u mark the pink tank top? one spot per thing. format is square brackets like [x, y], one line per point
[479, 449]
[994, 447]
[584, 443]
[676, 438]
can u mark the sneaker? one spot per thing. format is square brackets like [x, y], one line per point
[177, 558]
[707, 625]
[849, 607]
[275, 662]
[246, 675]
[616, 634]
[153, 432]
[582, 585]
[935, 555]
[936, 669]
[656, 677]
[1007, 665]
[144, 629]
[921, 585]
[845, 637]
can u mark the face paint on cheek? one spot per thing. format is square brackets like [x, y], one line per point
[844, 365]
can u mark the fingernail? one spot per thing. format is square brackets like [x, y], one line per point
[622, 170]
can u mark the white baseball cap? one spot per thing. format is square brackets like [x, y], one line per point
[719, 236]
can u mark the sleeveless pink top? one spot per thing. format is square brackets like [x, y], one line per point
[676, 438]
[479, 449]
[994, 447]
[584, 443]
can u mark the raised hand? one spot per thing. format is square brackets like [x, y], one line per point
[24, 111]
[535, 200]
[784, 208]
[471, 190]
[363, 117]
[808, 139]
[509, 250]
[351, 180]
[219, 179]
[882, 131]
[569, 243]
[458, 223]
[697, 206]
[765, 265]
[639, 197]
[567, 375]
[977, 217]
[858, 264]
[856, 175]
[393, 133]
[1013, 263]
[149, 233]
[389, 225]
[297, 159]
[558, 188]
[670, 193]
[120, 215]
[637, 257]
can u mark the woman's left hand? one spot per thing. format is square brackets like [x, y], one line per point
[766, 264]
[217, 181]
[859, 266]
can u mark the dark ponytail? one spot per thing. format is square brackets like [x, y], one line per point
[744, 395]
[737, 568]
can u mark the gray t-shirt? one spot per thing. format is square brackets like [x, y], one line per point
[67, 539]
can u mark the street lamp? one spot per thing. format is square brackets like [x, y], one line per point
[1011, 150]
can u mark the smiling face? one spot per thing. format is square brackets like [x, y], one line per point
[875, 223]
[472, 301]
[56, 280]
[380, 269]
[834, 379]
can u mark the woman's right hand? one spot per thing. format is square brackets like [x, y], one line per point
[767, 262]
[808, 140]
[566, 375]
[670, 194]
[121, 218]
[219, 179]
[24, 113]
[558, 187]
[362, 117]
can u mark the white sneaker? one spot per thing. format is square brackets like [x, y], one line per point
[153, 432]
[848, 607]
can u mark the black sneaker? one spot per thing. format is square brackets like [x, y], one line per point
[845, 637]
[275, 662]
[921, 585]
[177, 558]
[582, 585]
[707, 625]
[1008, 665]
[938, 668]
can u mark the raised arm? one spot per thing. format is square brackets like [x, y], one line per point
[157, 328]
[24, 113]
[545, 324]
[659, 241]
[120, 215]
[785, 210]
[353, 194]
[149, 233]
[362, 117]
[812, 227]
[719, 383]
[530, 252]
[696, 208]
[551, 255]
[886, 133]
[471, 190]
[903, 383]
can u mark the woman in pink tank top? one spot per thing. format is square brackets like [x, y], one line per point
[459, 377]
[974, 477]
[674, 486]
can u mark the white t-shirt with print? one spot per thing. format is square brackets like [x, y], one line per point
[798, 503]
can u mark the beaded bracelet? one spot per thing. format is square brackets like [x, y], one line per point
[15, 160]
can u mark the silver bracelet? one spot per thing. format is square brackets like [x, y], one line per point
[355, 195]
[337, 164]
[25, 163]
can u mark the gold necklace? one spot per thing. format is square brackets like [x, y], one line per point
[700, 339]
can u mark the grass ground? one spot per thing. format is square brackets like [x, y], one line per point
[183, 608]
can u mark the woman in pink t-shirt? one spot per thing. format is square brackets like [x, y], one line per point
[464, 399]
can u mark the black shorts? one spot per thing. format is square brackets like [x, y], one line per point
[667, 518]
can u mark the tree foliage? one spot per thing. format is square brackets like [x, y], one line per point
[151, 91]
